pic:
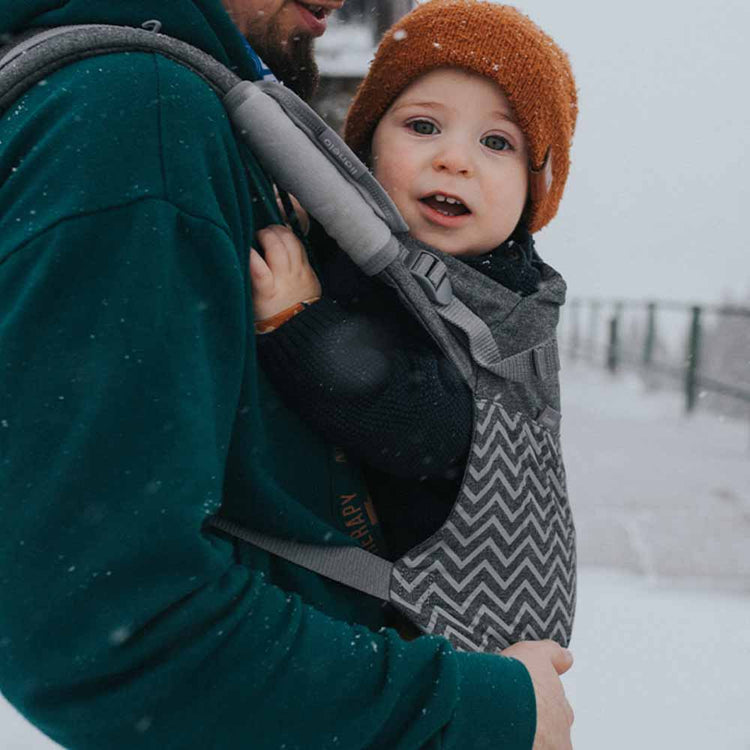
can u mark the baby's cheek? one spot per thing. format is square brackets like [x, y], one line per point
[393, 170]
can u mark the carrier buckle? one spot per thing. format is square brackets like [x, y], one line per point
[546, 359]
[431, 274]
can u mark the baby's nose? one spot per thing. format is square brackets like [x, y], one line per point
[453, 159]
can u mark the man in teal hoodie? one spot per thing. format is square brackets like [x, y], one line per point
[132, 408]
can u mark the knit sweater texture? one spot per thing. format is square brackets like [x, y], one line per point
[132, 407]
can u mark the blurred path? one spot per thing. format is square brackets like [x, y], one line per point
[655, 492]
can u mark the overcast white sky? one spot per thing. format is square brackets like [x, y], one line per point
[658, 203]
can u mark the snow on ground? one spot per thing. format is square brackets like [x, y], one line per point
[658, 668]
[662, 632]
[662, 644]
[654, 491]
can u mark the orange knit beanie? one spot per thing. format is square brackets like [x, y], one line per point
[495, 41]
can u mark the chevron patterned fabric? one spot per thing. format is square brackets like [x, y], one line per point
[503, 567]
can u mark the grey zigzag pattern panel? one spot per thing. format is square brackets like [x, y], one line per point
[503, 566]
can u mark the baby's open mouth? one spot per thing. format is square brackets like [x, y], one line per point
[445, 204]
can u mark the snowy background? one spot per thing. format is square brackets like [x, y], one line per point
[655, 208]
[656, 203]
[658, 192]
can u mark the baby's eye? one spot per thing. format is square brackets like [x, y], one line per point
[422, 127]
[496, 142]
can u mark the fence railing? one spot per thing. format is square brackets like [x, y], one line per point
[705, 347]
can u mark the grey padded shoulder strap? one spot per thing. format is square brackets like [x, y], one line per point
[307, 159]
[37, 56]
[328, 141]
[352, 566]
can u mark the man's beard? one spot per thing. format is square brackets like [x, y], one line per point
[291, 60]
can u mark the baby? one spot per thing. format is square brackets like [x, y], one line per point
[466, 118]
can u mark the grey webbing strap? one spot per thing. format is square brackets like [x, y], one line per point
[415, 298]
[351, 566]
[539, 362]
[482, 344]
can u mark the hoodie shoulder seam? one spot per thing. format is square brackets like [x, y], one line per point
[159, 126]
[116, 207]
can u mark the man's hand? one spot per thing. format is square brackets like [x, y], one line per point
[285, 277]
[546, 661]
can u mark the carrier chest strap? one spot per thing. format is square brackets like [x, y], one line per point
[352, 566]
[537, 363]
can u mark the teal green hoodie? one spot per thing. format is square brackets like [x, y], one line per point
[132, 407]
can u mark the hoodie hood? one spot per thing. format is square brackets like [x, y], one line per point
[203, 23]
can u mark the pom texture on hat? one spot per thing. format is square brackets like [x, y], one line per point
[499, 43]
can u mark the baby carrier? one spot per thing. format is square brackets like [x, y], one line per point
[502, 568]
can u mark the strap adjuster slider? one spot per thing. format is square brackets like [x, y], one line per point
[431, 274]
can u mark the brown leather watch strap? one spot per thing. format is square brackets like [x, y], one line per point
[276, 321]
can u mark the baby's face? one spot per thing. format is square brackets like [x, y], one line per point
[450, 136]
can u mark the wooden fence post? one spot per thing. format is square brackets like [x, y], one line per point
[650, 340]
[691, 372]
[613, 347]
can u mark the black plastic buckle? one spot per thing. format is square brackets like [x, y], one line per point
[431, 274]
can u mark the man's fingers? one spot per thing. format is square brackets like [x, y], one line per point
[562, 659]
[554, 713]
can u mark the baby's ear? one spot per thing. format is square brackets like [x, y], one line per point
[540, 180]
